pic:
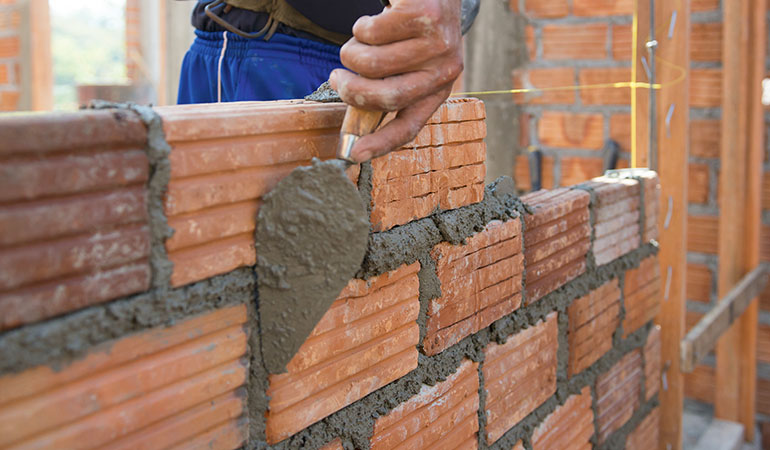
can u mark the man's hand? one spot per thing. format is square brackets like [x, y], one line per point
[407, 59]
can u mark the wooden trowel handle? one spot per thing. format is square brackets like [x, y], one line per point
[357, 123]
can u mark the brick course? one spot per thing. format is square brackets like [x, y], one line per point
[647, 433]
[616, 216]
[642, 295]
[570, 427]
[592, 322]
[617, 394]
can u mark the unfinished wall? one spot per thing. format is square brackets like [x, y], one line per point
[478, 319]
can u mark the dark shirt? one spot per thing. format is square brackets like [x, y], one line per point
[333, 15]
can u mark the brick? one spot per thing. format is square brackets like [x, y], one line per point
[522, 175]
[550, 205]
[9, 47]
[432, 414]
[584, 41]
[699, 281]
[214, 258]
[642, 294]
[366, 340]
[763, 343]
[565, 130]
[704, 5]
[605, 96]
[9, 100]
[569, 427]
[646, 435]
[702, 234]
[705, 138]
[519, 375]
[617, 394]
[529, 38]
[575, 170]
[705, 88]
[620, 130]
[481, 282]
[4, 72]
[597, 8]
[616, 211]
[698, 183]
[766, 191]
[545, 78]
[651, 189]
[652, 363]
[593, 320]
[706, 42]
[10, 19]
[700, 384]
[543, 9]
[160, 388]
[622, 42]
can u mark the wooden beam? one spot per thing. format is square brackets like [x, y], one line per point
[703, 337]
[40, 60]
[673, 20]
[739, 191]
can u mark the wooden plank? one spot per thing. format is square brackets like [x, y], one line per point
[672, 161]
[640, 98]
[739, 187]
[704, 336]
[40, 60]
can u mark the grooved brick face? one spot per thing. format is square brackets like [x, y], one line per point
[556, 239]
[698, 183]
[652, 363]
[569, 427]
[647, 433]
[442, 168]
[699, 279]
[522, 176]
[595, 8]
[705, 138]
[617, 394]
[543, 9]
[622, 42]
[651, 192]
[705, 88]
[73, 218]
[366, 340]
[480, 283]
[620, 130]
[616, 215]
[163, 388]
[519, 375]
[642, 295]
[706, 42]
[584, 41]
[593, 320]
[702, 234]
[439, 416]
[565, 130]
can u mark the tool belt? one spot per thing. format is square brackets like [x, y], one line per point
[279, 12]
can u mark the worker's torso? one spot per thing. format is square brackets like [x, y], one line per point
[328, 21]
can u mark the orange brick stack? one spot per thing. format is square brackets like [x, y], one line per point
[616, 215]
[617, 394]
[73, 219]
[556, 239]
[440, 416]
[366, 340]
[592, 322]
[570, 427]
[174, 387]
[480, 282]
[519, 375]
[642, 295]
[442, 168]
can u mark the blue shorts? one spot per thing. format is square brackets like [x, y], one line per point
[284, 67]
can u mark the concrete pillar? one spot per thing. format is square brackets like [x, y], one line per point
[494, 47]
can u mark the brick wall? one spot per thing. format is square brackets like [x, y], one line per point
[130, 312]
[10, 55]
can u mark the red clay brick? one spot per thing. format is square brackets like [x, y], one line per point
[617, 394]
[706, 42]
[698, 183]
[620, 130]
[565, 130]
[9, 47]
[584, 41]
[652, 363]
[575, 170]
[699, 279]
[702, 234]
[647, 433]
[551, 205]
[622, 42]
[592, 322]
[700, 384]
[705, 88]
[569, 427]
[432, 414]
[705, 138]
[522, 176]
[595, 8]
[545, 78]
[529, 37]
[605, 96]
[214, 258]
[617, 217]
[542, 9]
[643, 294]
[366, 340]
[519, 375]
[704, 5]
[159, 388]
[651, 187]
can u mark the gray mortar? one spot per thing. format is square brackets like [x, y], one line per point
[590, 259]
[430, 288]
[617, 440]
[365, 186]
[312, 234]
[60, 341]
[325, 94]
[391, 249]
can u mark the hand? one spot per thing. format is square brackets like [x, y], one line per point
[406, 60]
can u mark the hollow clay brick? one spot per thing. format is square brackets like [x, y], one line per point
[706, 88]
[569, 427]
[604, 75]
[546, 8]
[158, 388]
[539, 289]
[480, 280]
[583, 41]
[519, 375]
[652, 363]
[423, 420]
[647, 433]
[545, 78]
[642, 295]
[592, 322]
[366, 340]
[601, 8]
[617, 394]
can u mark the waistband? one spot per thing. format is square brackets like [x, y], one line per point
[210, 43]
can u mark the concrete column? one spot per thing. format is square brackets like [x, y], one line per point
[494, 47]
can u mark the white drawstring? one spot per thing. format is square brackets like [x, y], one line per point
[219, 70]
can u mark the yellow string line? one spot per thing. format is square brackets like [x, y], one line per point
[634, 56]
